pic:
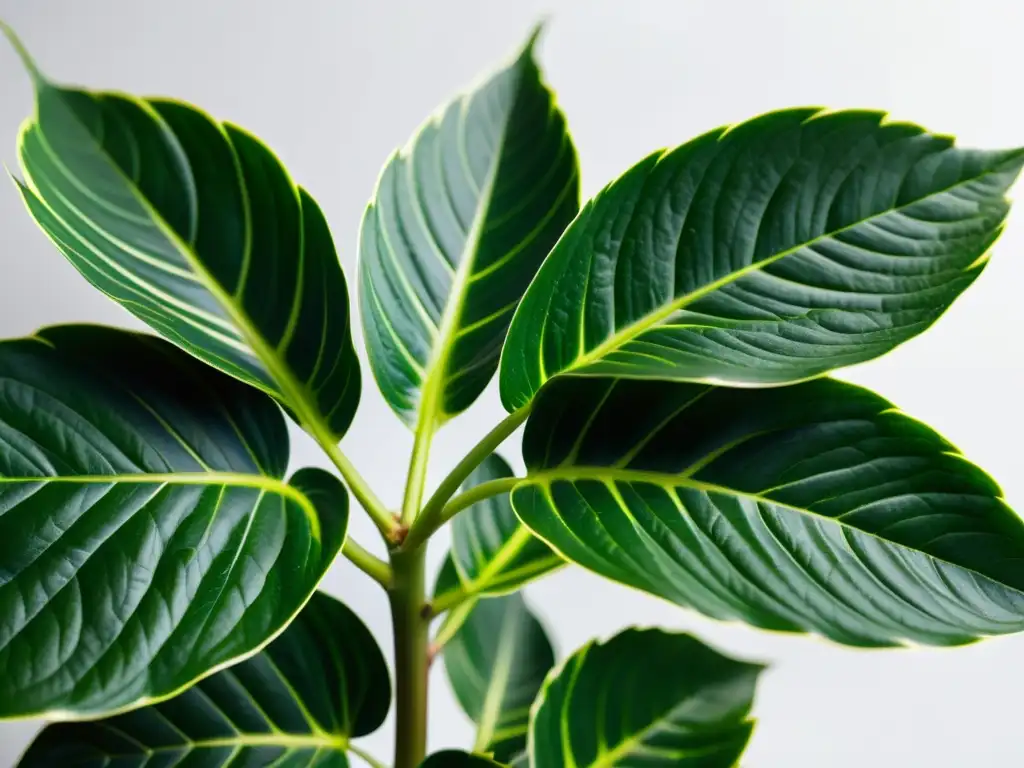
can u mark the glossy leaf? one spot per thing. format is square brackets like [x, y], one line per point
[297, 703]
[147, 536]
[492, 551]
[767, 253]
[453, 758]
[496, 664]
[197, 229]
[645, 697]
[458, 225]
[817, 507]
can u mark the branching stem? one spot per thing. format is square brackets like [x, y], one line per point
[432, 516]
[368, 563]
[369, 501]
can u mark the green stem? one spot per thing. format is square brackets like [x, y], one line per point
[447, 600]
[429, 519]
[369, 501]
[420, 533]
[368, 563]
[408, 595]
[417, 471]
[458, 614]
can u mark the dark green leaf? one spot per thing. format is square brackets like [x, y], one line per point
[459, 224]
[147, 535]
[492, 551]
[817, 507]
[196, 228]
[297, 703]
[455, 759]
[646, 697]
[767, 253]
[496, 664]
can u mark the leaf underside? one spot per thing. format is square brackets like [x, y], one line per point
[764, 254]
[496, 664]
[645, 697]
[147, 535]
[459, 224]
[296, 703]
[196, 228]
[817, 507]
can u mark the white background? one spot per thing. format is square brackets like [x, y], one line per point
[335, 85]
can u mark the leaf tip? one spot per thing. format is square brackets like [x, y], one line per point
[1014, 158]
[19, 185]
[535, 34]
[29, 63]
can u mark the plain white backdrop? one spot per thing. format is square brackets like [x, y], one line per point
[335, 85]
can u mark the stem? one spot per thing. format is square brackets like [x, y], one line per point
[411, 661]
[368, 563]
[433, 510]
[417, 470]
[447, 600]
[453, 622]
[369, 501]
[420, 533]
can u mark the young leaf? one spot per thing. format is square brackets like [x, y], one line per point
[197, 229]
[453, 758]
[147, 535]
[646, 697]
[817, 507]
[496, 664]
[298, 702]
[459, 224]
[492, 551]
[767, 253]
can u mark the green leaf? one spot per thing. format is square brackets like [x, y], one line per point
[453, 758]
[496, 664]
[766, 253]
[147, 536]
[492, 551]
[197, 229]
[298, 702]
[646, 697]
[817, 507]
[459, 223]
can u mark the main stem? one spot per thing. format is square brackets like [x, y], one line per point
[410, 621]
[411, 630]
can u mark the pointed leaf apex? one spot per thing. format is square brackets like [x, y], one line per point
[38, 79]
[535, 34]
[1015, 157]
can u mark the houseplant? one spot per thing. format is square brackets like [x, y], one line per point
[663, 346]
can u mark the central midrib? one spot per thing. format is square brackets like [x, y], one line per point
[234, 479]
[498, 686]
[288, 740]
[611, 474]
[294, 392]
[648, 321]
[637, 740]
[433, 384]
